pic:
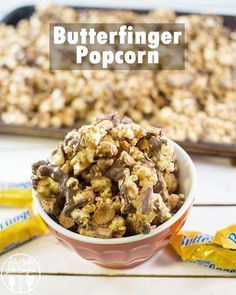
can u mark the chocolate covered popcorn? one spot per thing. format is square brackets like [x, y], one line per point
[110, 179]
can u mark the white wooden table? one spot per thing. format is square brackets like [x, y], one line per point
[215, 207]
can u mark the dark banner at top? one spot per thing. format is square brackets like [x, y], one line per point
[117, 46]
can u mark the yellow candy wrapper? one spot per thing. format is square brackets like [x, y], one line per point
[15, 194]
[19, 229]
[216, 252]
[226, 237]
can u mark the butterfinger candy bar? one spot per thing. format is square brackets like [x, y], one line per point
[226, 237]
[15, 194]
[216, 252]
[19, 229]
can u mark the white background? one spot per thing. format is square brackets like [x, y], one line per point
[215, 207]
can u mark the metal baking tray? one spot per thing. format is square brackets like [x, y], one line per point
[203, 148]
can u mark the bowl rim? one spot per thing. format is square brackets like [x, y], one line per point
[130, 239]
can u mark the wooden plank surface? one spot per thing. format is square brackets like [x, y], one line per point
[216, 176]
[201, 148]
[56, 285]
[163, 263]
[215, 186]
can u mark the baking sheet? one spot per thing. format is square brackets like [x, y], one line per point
[203, 148]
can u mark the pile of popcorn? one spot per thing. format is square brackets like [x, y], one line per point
[197, 104]
[110, 179]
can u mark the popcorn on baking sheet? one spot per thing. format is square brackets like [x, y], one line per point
[195, 104]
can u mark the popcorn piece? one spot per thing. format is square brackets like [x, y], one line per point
[103, 214]
[65, 221]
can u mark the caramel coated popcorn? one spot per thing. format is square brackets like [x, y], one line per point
[197, 104]
[110, 179]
